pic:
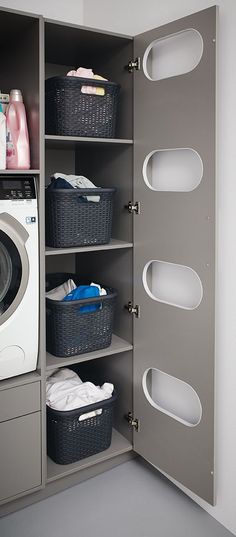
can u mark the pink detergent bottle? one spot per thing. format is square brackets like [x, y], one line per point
[18, 151]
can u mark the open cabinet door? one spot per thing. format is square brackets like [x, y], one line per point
[174, 251]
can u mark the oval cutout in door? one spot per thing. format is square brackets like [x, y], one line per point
[176, 285]
[173, 55]
[172, 396]
[173, 170]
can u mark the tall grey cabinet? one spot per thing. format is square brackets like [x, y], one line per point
[161, 258]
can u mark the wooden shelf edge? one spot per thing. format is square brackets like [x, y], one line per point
[119, 445]
[117, 346]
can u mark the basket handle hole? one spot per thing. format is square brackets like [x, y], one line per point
[91, 414]
[90, 308]
[93, 90]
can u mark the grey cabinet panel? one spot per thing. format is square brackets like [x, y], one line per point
[178, 228]
[20, 455]
[19, 401]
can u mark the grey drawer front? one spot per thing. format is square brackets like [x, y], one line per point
[19, 401]
[20, 455]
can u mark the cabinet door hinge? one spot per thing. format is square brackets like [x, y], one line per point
[133, 207]
[135, 310]
[134, 65]
[134, 422]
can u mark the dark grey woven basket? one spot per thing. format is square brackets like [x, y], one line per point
[70, 440]
[71, 220]
[71, 331]
[72, 113]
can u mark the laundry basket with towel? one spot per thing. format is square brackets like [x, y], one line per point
[70, 112]
[81, 432]
[78, 326]
[73, 220]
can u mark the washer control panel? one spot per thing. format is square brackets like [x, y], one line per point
[14, 188]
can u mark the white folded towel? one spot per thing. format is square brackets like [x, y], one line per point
[102, 291]
[66, 391]
[79, 181]
[62, 290]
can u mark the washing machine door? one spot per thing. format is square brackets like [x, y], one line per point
[14, 265]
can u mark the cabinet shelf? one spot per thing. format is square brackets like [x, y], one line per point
[119, 445]
[19, 172]
[117, 345]
[114, 244]
[69, 142]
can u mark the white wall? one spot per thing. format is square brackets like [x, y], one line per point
[134, 17]
[63, 10]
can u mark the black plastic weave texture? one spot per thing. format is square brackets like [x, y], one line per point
[71, 331]
[70, 440]
[72, 113]
[71, 220]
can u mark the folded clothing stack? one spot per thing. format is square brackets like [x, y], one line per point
[63, 181]
[83, 72]
[65, 391]
[70, 291]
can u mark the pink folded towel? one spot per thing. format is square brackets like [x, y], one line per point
[88, 73]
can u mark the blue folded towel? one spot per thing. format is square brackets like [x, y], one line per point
[84, 291]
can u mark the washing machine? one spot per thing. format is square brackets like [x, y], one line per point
[19, 276]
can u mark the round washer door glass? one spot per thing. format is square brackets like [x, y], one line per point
[10, 272]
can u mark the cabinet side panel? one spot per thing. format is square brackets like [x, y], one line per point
[111, 269]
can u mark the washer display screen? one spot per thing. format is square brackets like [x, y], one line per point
[6, 185]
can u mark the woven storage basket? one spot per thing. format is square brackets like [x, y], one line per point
[70, 440]
[72, 113]
[71, 220]
[71, 331]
